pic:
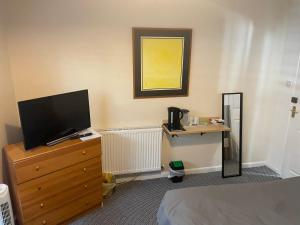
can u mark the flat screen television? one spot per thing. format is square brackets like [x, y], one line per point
[54, 117]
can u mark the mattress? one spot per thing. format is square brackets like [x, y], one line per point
[270, 203]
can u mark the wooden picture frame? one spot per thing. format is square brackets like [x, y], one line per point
[161, 62]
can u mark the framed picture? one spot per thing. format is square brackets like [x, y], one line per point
[161, 62]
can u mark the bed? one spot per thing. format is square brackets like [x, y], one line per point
[270, 203]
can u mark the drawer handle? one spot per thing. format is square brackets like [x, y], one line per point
[84, 169]
[39, 188]
[44, 222]
[86, 203]
[37, 168]
[85, 186]
[83, 152]
[42, 205]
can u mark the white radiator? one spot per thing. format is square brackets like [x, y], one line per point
[131, 150]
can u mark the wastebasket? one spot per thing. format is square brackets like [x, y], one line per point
[176, 171]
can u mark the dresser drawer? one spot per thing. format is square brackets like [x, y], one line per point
[54, 183]
[69, 210]
[33, 168]
[37, 209]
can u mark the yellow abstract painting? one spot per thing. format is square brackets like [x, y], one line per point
[161, 63]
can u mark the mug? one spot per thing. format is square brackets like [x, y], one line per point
[196, 120]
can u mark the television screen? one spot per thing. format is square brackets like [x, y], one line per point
[49, 118]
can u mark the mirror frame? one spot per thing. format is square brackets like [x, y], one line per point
[241, 135]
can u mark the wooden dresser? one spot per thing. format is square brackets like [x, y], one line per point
[51, 185]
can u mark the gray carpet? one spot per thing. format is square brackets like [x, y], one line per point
[137, 202]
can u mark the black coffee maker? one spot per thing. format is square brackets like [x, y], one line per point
[174, 116]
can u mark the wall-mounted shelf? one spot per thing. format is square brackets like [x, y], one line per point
[199, 129]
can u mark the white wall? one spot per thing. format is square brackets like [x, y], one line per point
[64, 45]
[8, 113]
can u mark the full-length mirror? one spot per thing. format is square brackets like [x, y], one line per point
[232, 114]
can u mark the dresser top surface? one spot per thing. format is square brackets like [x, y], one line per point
[17, 152]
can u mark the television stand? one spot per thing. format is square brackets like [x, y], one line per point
[52, 185]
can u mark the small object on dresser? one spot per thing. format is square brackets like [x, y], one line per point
[185, 118]
[89, 134]
[82, 135]
[196, 120]
[174, 116]
[86, 135]
[217, 121]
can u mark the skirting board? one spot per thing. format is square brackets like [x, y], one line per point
[219, 168]
[165, 173]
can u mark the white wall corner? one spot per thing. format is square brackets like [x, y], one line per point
[276, 170]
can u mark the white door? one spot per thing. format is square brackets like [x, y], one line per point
[291, 161]
[291, 164]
